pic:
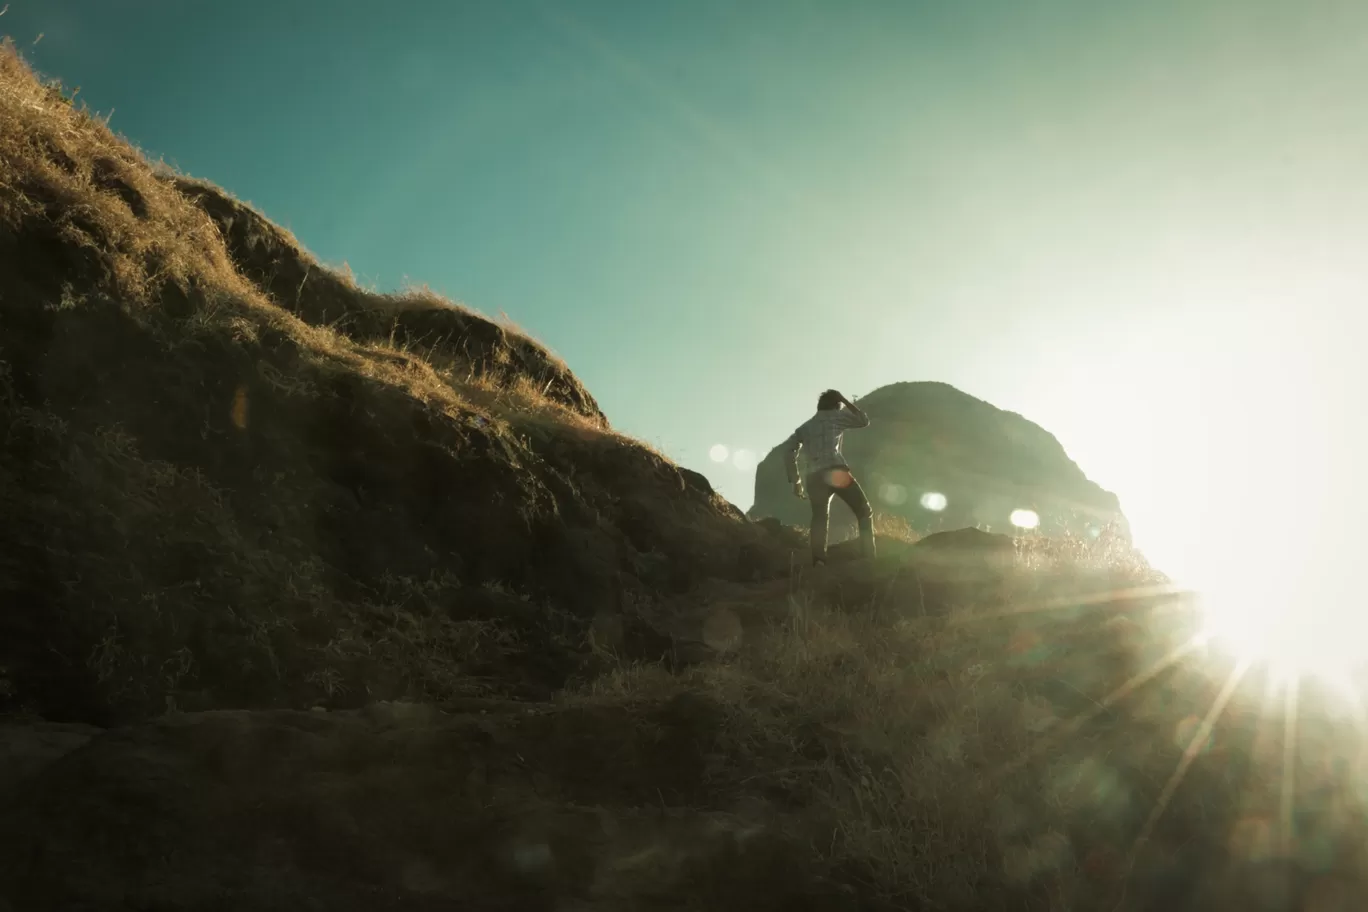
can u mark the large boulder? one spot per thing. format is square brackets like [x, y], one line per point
[941, 459]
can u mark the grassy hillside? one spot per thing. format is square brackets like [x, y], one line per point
[233, 478]
[319, 598]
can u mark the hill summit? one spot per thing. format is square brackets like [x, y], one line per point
[938, 458]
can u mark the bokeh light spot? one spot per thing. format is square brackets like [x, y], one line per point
[1187, 730]
[1102, 863]
[1025, 519]
[722, 630]
[239, 410]
[744, 460]
[532, 857]
[719, 452]
[1027, 648]
[934, 501]
[1251, 838]
[893, 494]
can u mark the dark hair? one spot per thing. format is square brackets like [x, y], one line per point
[829, 400]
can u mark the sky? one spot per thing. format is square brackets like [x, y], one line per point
[1140, 225]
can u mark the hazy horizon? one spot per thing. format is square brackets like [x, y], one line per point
[1138, 226]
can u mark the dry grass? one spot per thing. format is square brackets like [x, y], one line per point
[464, 347]
[93, 218]
[895, 528]
[961, 759]
[66, 170]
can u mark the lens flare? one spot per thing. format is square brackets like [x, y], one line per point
[744, 460]
[719, 452]
[1025, 519]
[934, 501]
[893, 494]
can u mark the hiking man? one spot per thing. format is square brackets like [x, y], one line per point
[827, 472]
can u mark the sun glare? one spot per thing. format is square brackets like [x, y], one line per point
[1294, 631]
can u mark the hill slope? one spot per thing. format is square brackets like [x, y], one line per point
[232, 478]
[315, 598]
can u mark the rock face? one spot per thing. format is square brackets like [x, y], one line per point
[931, 446]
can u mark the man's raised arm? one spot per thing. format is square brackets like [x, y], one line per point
[791, 448]
[856, 417]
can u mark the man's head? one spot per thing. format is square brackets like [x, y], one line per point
[828, 401]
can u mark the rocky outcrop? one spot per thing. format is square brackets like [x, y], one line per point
[941, 459]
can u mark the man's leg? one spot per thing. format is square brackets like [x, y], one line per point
[854, 497]
[819, 494]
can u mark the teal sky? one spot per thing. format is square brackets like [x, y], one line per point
[1141, 225]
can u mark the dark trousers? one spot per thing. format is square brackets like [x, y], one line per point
[821, 485]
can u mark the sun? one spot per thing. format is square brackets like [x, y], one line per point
[1292, 625]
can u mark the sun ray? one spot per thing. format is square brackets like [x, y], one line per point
[1265, 730]
[1096, 600]
[1194, 749]
[1287, 785]
[1358, 711]
[1066, 729]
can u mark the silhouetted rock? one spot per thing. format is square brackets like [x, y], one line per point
[931, 446]
[968, 564]
[969, 544]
